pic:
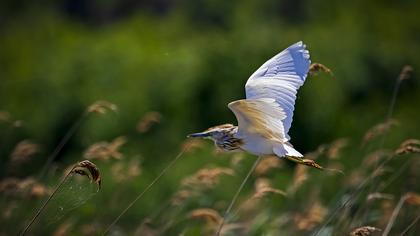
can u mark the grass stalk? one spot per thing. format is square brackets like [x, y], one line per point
[62, 143]
[354, 194]
[144, 191]
[232, 202]
[38, 213]
[404, 74]
[394, 215]
[410, 225]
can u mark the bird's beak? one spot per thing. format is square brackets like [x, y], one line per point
[199, 135]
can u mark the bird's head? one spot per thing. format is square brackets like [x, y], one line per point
[215, 133]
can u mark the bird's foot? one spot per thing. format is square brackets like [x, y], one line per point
[312, 163]
[306, 162]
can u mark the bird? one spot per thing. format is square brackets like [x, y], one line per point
[265, 116]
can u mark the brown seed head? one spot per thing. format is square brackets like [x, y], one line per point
[376, 195]
[206, 177]
[364, 231]
[122, 171]
[104, 150]
[315, 68]
[299, 178]
[190, 145]
[263, 188]
[23, 151]
[406, 72]
[63, 229]
[101, 107]
[92, 171]
[378, 130]
[27, 187]
[313, 217]
[335, 148]
[267, 164]
[208, 214]
[409, 146]
[412, 198]
[148, 120]
[374, 157]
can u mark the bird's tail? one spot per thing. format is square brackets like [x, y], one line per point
[287, 151]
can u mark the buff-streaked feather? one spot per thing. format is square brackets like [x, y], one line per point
[261, 117]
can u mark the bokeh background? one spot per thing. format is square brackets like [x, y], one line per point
[170, 68]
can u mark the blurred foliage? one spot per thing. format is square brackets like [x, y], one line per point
[185, 60]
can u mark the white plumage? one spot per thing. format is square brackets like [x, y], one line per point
[265, 116]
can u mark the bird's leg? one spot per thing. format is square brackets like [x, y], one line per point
[307, 162]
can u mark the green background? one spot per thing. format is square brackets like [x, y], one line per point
[187, 60]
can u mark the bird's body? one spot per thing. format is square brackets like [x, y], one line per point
[265, 116]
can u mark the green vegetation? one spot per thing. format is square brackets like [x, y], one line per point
[170, 68]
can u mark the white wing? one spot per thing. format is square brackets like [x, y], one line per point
[280, 78]
[261, 117]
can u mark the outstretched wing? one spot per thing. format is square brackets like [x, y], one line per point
[280, 78]
[261, 117]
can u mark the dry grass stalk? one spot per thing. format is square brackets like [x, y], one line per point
[309, 220]
[204, 178]
[101, 107]
[335, 148]
[190, 145]
[148, 120]
[374, 196]
[405, 73]
[410, 198]
[63, 229]
[192, 186]
[403, 76]
[232, 202]
[409, 146]
[144, 191]
[237, 158]
[208, 214]
[212, 218]
[122, 171]
[263, 188]
[207, 177]
[105, 150]
[412, 224]
[92, 171]
[267, 164]
[372, 158]
[25, 188]
[145, 229]
[299, 177]
[364, 231]
[23, 151]
[320, 150]
[378, 130]
[315, 68]
[182, 195]
[79, 168]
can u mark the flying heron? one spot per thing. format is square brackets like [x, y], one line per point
[265, 116]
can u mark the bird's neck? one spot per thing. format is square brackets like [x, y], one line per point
[229, 141]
